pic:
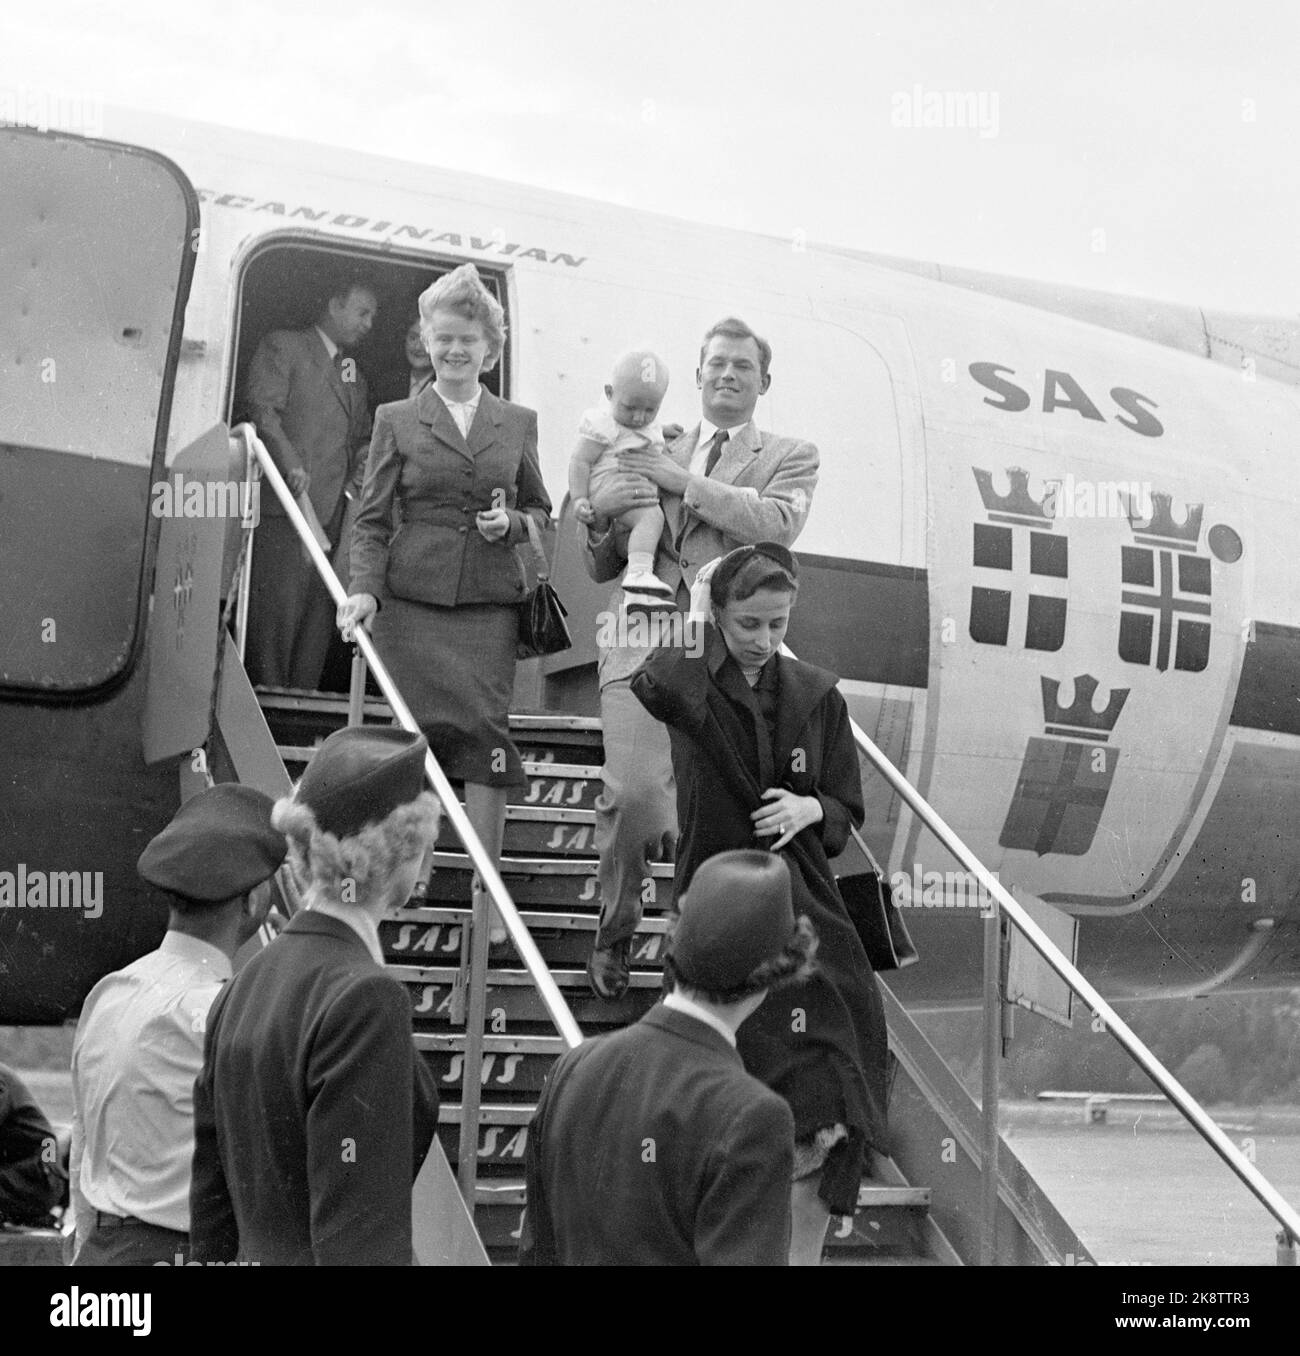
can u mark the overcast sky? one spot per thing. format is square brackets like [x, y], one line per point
[1139, 146]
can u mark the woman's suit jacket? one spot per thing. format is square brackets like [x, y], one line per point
[415, 535]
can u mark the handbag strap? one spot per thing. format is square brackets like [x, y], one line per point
[535, 541]
[866, 852]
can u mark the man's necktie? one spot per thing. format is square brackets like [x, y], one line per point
[715, 450]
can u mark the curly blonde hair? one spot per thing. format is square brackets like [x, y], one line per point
[368, 859]
[462, 292]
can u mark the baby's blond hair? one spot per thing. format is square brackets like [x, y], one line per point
[640, 368]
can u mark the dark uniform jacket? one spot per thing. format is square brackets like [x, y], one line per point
[30, 1181]
[821, 1042]
[313, 1112]
[652, 1146]
[308, 416]
[415, 535]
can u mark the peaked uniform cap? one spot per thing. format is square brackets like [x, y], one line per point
[219, 844]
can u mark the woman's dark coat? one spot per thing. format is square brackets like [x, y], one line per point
[821, 1043]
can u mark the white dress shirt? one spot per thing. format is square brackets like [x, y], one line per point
[330, 346]
[680, 1003]
[700, 457]
[463, 411]
[136, 1054]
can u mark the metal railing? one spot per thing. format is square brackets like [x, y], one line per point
[1005, 904]
[493, 888]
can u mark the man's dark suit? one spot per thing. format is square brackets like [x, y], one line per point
[309, 417]
[313, 1112]
[653, 1147]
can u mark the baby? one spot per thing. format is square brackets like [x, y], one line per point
[628, 420]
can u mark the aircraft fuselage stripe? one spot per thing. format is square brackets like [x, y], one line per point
[870, 622]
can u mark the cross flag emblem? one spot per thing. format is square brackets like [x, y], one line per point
[1165, 604]
[1018, 554]
[1066, 774]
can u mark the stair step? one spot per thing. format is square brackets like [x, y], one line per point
[875, 1197]
[564, 939]
[561, 786]
[442, 1041]
[506, 1191]
[289, 699]
[490, 1113]
[569, 785]
[500, 1147]
[522, 1006]
[336, 704]
[540, 866]
[501, 1073]
[529, 832]
[502, 979]
[552, 722]
[498, 1218]
[549, 882]
[552, 920]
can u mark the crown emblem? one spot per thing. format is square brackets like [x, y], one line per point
[1080, 720]
[1017, 507]
[1159, 526]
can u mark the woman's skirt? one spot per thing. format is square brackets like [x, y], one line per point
[455, 668]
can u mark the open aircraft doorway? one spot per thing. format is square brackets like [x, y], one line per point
[285, 282]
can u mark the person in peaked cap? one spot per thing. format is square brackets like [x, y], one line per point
[313, 1111]
[139, 1043]
[652, 1146]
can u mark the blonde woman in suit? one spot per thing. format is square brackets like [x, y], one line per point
[452, 475]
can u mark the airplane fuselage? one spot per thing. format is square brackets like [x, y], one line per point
[1049, 561]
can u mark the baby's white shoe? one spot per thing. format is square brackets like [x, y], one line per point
[645, 581]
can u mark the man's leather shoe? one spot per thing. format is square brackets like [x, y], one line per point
[607, 971]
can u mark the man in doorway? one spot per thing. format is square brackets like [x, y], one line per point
[309, 402]
[652, 1146]
[417, 359]
[722, 484]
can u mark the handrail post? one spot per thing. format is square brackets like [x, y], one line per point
[1286, 1249]
[252, 495]
[989, 1099]
[357, 688]
[472, 1073]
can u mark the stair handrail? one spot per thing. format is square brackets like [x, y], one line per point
[260, 460]
[558, 1009]
[1191, 1110]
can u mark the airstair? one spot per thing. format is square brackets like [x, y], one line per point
[549, 868]
[951, 1193]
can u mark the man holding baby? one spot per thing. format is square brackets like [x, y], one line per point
[721, 484]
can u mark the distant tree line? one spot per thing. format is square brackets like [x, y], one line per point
[1236, 1049]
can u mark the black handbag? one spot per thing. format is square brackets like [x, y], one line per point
[542, 628]
[869, 899]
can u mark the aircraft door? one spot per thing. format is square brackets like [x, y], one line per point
[99, 251]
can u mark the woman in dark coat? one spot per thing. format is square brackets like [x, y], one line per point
[451, 481]
[763, 755]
